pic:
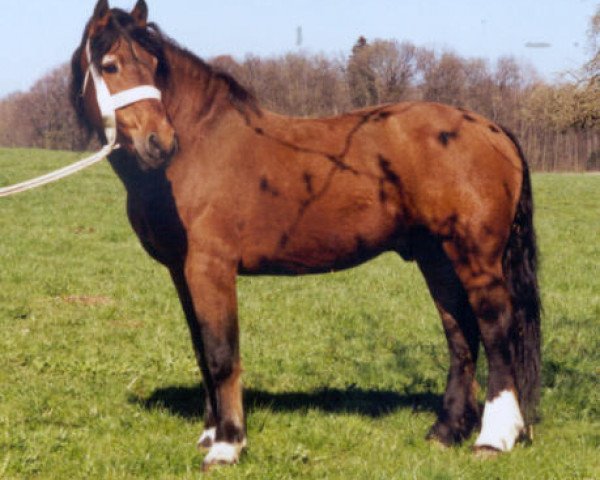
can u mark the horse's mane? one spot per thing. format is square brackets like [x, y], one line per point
[153, 40]
[239, 96]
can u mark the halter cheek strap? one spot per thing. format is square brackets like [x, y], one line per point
[108, 103]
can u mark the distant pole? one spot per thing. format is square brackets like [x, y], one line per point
[299, 38]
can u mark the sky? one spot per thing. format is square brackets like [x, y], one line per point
[38, 35]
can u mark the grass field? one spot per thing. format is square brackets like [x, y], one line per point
[343, 372]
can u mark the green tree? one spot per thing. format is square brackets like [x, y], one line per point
[361, 78]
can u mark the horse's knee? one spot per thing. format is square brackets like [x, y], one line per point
[221, 358]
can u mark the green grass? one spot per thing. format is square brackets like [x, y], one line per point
[343, 372]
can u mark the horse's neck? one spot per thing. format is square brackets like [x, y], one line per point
[184, 99]
[189, 89]
[192, 97]
[197, 96]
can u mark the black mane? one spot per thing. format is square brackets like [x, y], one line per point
[239, 95]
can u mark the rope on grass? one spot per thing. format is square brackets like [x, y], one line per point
[57, 174]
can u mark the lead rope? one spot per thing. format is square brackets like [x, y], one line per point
[108, 119]
[57, 174]
[108, 104]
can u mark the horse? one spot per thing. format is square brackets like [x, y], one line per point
[219, 187]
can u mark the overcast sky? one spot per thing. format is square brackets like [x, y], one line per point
[38, 35]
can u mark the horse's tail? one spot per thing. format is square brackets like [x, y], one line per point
[520, 266]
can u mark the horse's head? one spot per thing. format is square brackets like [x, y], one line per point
[118, 71]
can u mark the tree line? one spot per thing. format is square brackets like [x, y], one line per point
[557, 124]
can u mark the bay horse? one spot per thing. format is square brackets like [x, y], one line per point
[219, 187]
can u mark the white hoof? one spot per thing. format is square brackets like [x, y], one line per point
[502, 423]
[207, 439]
[223, 453]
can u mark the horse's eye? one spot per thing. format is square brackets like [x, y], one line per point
[110, 68]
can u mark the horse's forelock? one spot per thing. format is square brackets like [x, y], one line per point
[122, 24]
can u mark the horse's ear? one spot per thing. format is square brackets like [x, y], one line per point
[140, 13]
[101, 17]
[101, 9]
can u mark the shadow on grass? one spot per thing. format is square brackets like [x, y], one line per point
[188, 402]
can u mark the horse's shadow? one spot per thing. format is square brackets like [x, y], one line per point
[188, 401]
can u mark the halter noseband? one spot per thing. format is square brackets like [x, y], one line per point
[108, 103]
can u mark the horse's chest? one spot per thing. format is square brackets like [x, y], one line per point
[157, 225]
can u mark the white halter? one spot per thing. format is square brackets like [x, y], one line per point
[109, 103]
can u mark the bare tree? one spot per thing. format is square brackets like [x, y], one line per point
[294, 84]
[444, 80]
[593, 66]
[43, 117]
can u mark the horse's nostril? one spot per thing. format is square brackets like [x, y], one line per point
[154, 143]
[174, 146]
[160, 149]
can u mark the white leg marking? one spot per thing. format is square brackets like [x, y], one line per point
[502, 422]
[207, 438]
[224, 453]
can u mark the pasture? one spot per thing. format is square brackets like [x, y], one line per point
[343, 372]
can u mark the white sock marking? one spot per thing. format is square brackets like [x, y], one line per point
[224, 453]
[208, 437]
[502, 422]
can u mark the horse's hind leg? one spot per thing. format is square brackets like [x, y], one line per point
[460, 412]
[502, 421]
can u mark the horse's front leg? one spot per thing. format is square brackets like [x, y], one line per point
[207, 288]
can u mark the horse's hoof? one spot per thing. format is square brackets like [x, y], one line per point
[526, 436]
[208, 466]
[435, 438]
[444, 435]
[438, 433]
[437, 442]
[207, 439]
[485, 452]
[222, 453]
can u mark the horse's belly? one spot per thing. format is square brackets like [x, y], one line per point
[348, 223]
[314, 252]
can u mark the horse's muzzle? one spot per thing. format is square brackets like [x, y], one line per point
[156, 152]
[157, 149]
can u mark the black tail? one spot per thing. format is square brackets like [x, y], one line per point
[520, 270]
